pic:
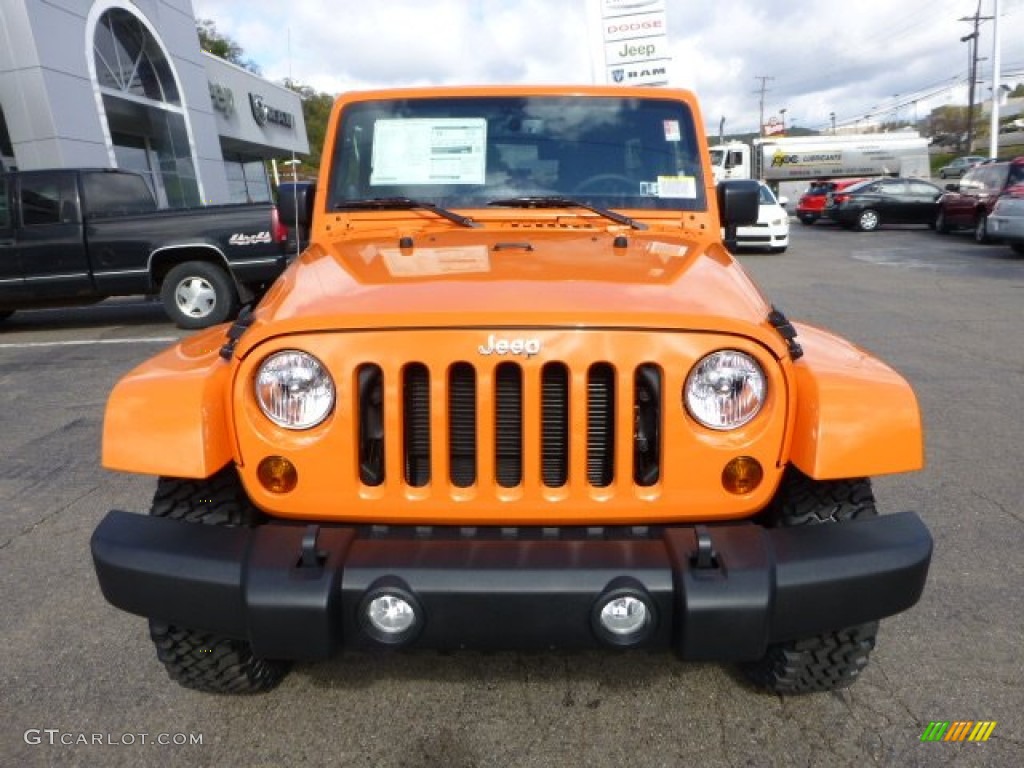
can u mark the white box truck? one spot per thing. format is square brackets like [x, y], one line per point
[823, 157]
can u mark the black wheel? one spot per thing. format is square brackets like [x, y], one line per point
[981, 230]
[941, 225]
[5, 313]
[193, 658]
[779, 249]
[198, 294]
[835, 659]
[1018, 248]
[807, 218]
[869, 220]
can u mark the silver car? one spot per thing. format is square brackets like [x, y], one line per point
[1006, 222]
[959, 166]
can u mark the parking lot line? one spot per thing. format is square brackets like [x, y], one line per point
[84, 342]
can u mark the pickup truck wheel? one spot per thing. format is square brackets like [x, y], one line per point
[869, 220]
[198, 294]
[193, 658]
[835, 659]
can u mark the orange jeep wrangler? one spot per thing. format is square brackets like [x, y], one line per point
[515, 394]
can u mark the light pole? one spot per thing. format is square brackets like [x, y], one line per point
[832, 117]
[782, 112]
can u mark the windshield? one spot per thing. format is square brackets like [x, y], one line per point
[468, 152]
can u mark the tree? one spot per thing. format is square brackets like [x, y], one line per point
[316, 110]
[222, 46]
[1017, 92]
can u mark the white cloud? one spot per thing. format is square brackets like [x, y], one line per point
[853, 58]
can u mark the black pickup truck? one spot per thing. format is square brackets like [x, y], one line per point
[78, 236]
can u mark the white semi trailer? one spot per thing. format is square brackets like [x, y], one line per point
[823, 157]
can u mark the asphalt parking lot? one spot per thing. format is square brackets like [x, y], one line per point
[81, 684]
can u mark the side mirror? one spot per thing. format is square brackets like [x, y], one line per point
[738, 202]
[295, 204]
[738, 205]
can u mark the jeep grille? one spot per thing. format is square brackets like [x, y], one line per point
[456, 396]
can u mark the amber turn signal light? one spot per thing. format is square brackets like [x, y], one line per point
[277, 474]
[742, 475]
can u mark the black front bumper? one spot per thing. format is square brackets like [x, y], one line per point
[720, 592]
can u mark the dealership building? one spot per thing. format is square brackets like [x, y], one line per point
[124, 84]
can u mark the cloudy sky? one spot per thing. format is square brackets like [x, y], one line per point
[854, 57]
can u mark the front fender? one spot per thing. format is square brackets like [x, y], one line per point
[169, 416]
[856, 416]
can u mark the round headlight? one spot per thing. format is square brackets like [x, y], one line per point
[294, 389]
[725, 390]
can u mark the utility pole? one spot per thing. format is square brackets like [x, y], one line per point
[972, 40]
[763, 90]
[993, 141]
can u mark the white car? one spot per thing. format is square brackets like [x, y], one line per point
[772, 228]
[1006, 222]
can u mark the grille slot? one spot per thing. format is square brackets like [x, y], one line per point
[416, 395]
[554, 452]
[508, 425]
[370, 402]
[601, 425]
[462, 448]
[647, 415]
[440, 412]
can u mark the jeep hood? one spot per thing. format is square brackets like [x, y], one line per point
[515, 277]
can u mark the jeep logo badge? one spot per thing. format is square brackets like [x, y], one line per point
[516, 346]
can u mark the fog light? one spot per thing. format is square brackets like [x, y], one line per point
[742, 475]
[624, 616]
[277, 474]
[390, 615]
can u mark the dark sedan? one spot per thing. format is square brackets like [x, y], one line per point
[876, 202]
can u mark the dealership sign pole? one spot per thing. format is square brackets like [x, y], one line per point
[631, 47]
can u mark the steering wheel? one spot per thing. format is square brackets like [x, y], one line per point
[607, 183]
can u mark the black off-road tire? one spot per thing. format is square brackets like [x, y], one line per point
[198, 294]
[194, 658]
[835, 659]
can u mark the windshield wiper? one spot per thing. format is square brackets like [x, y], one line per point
[567, 202]
[403, 203]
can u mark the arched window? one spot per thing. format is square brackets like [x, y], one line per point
[129, 60]
[143, 107]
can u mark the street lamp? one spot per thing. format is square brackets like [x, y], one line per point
[783, 113]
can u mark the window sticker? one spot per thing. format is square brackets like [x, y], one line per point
[672, 132]
[677, 186]
[442, 150]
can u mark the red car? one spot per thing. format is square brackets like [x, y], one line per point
[812, 203]
[968, 204]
